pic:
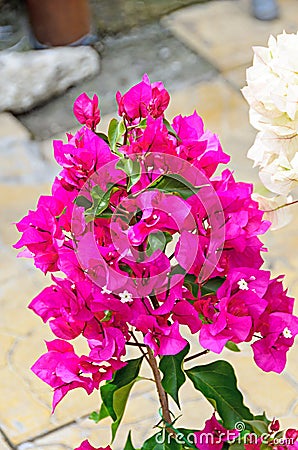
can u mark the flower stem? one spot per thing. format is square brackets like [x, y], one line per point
[281, 206]
[137, 344]
[197, 355]
[163, 397]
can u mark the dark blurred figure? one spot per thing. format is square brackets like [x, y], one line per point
[265, 9]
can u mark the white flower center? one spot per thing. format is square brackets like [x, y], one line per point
[125, 297]
[287, 333]
[105, 290]
[243, 286]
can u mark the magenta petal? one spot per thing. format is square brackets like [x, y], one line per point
[215, 343]
[267, 358]
[186, 314]
[172, 343]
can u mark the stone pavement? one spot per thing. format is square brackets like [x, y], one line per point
[222, 33]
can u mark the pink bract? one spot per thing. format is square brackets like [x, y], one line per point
[214, 435]
[86, 110]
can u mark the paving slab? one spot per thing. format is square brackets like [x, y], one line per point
[11, 127]
[20, 158]
[224, 31]
[70, 437]
[25, 405]
[3, 444]
[224, 112]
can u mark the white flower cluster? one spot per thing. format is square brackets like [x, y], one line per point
[272, 93]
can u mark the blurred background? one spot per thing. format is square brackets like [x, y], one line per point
[50, 52]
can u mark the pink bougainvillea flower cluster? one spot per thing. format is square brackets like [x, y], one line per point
[139, 235]
[142, 100]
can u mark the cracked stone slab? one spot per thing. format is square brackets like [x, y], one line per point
[70, 437]
[30, 78]
[21, 162]
[25, 406]
[223, 31]
[224, 112]
[99, 434]
[3, 444]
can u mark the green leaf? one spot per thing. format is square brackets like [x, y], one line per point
[191, 284]
[63, 212]
[101, 199]
[142, 123]
[128, 445]
[107, 316]
[157, 241]
[170, 129]
[212, 285]
[279, 434]
[177, 270]
[106, 214]
[95, 416]
[189, 437]
[83, 201]
[121, 128]
[161, 441]
[103, 204]
[103, 413]
[115, 131]
[232, 346]
[132, 169]
[97, 193]
[263, 418]
[218, 383]
[103, 136]
[114, 393]
[100, 203]
[237, 446]
[264, 446]
[173, 375]
[174, 184]
[259, 427]
[119, 403]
